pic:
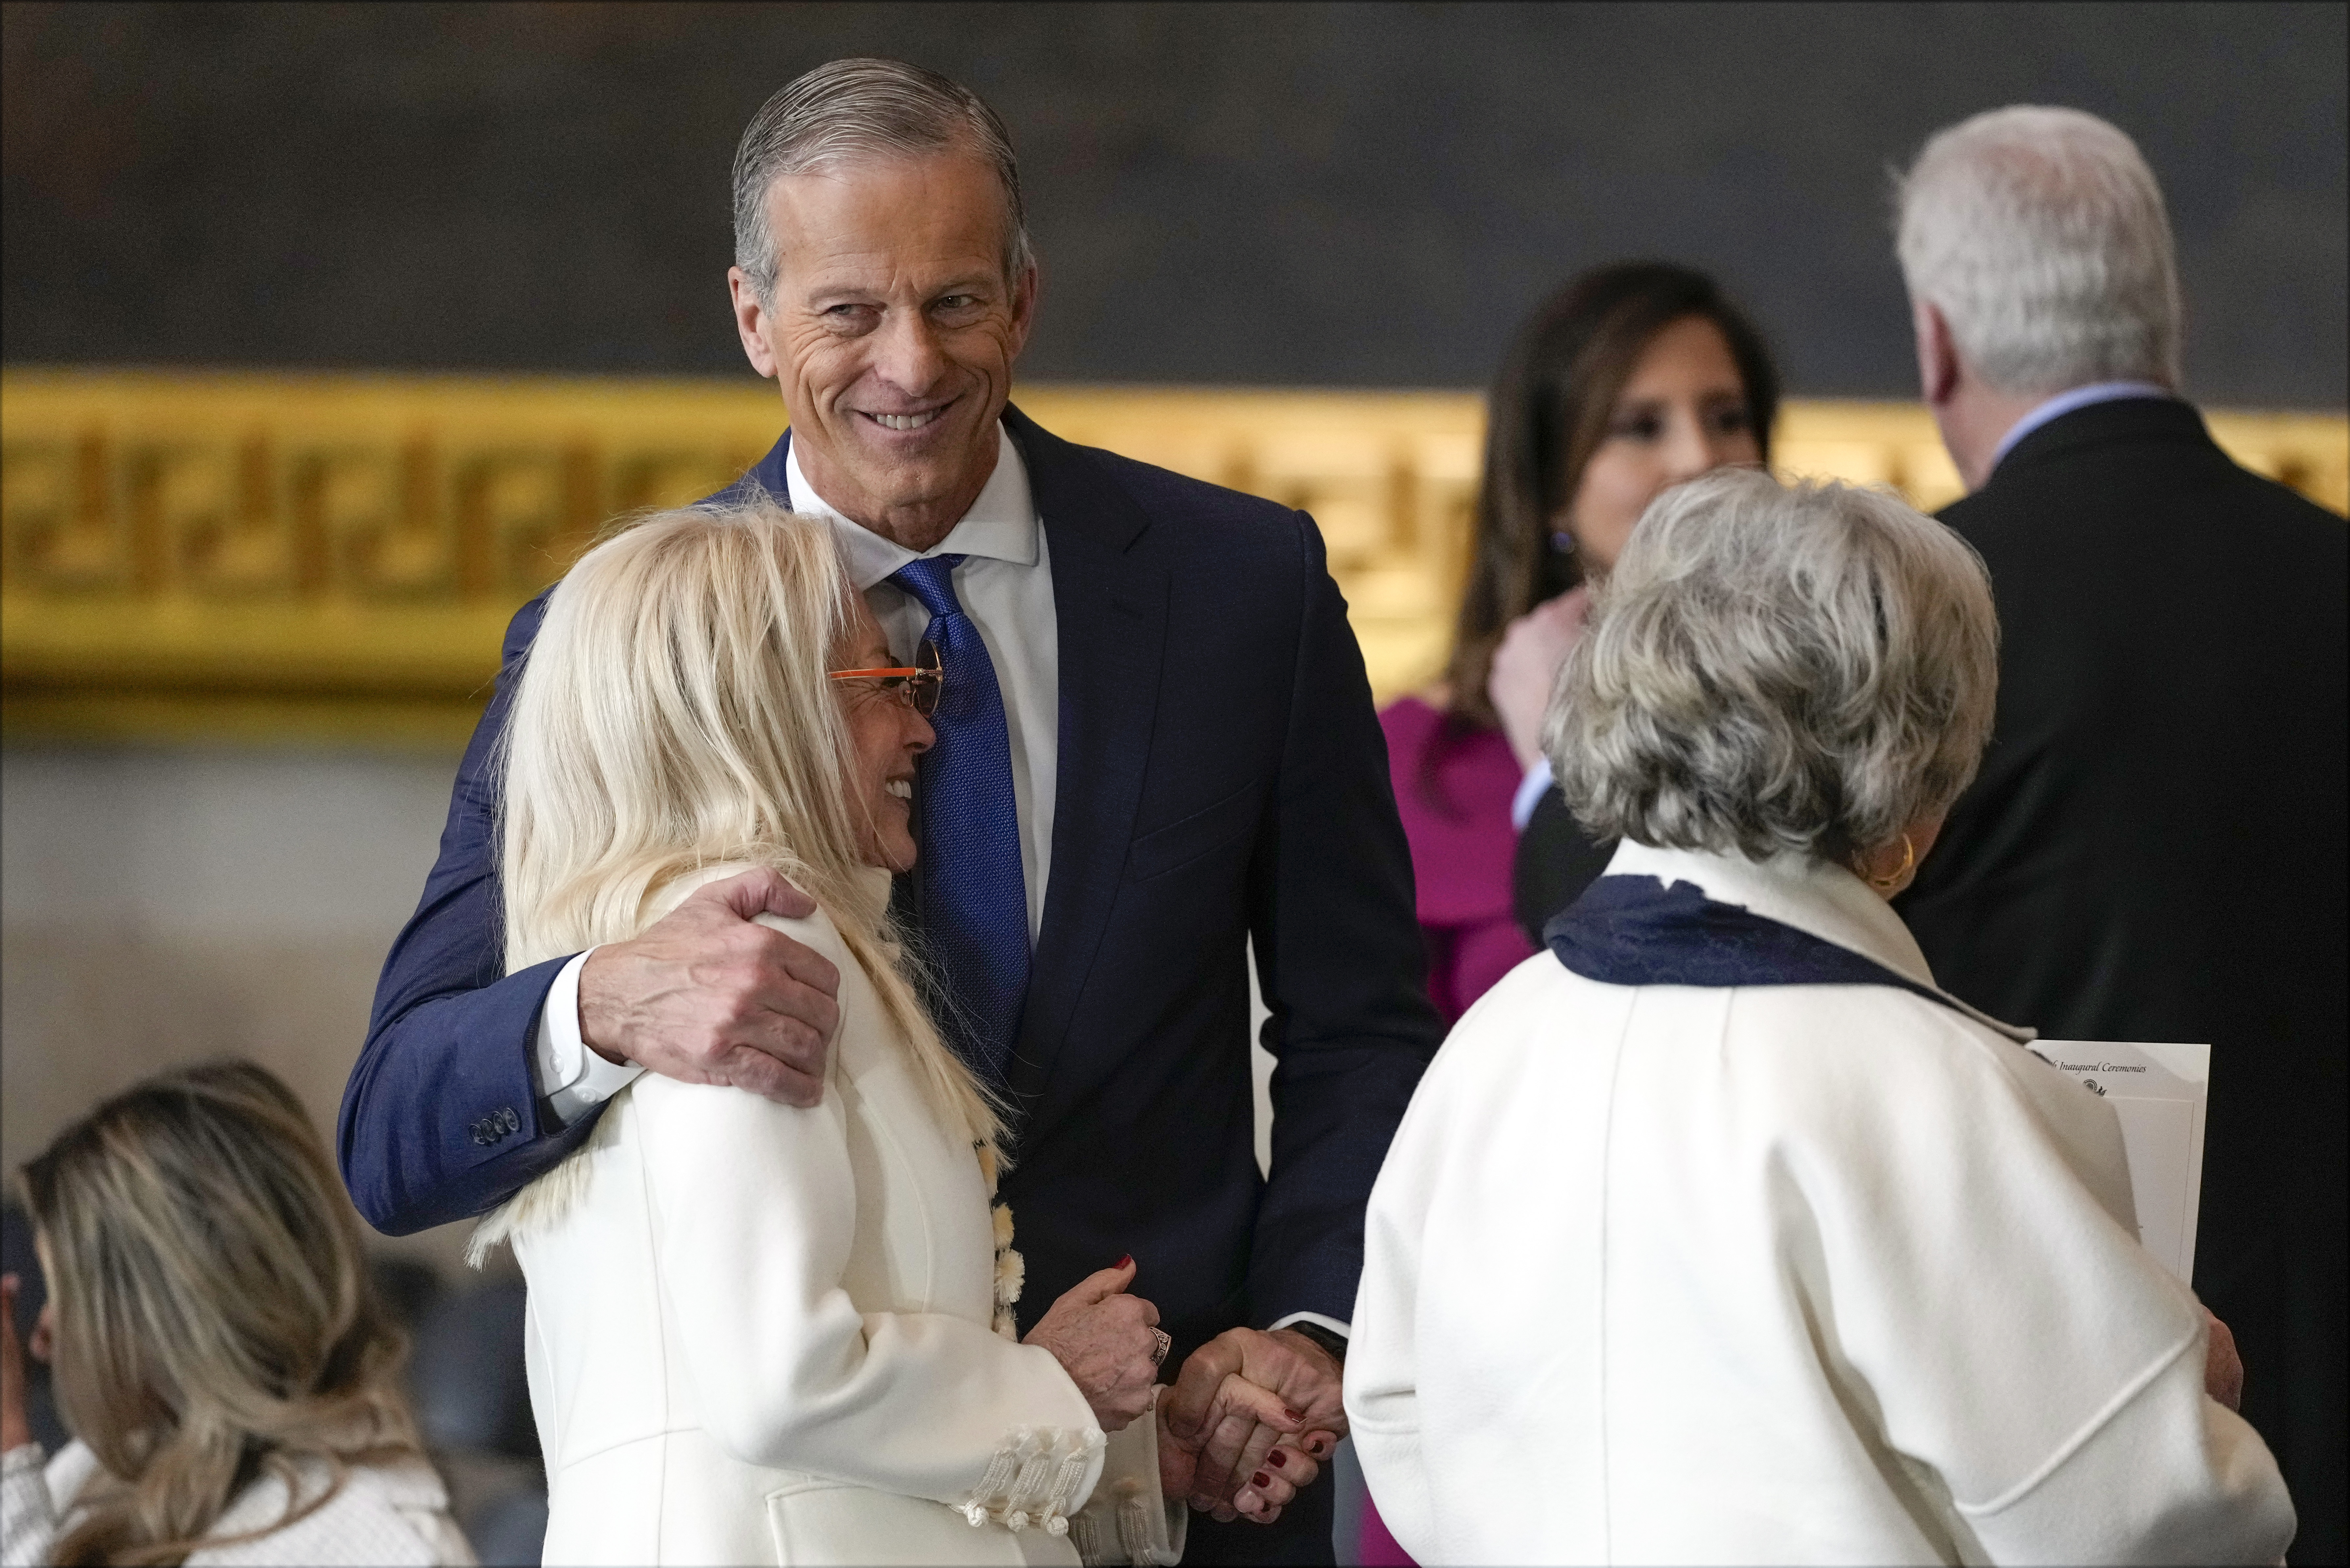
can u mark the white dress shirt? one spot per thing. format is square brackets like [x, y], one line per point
[1005, 586]
[1531, 789]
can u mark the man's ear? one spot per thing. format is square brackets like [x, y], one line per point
[751, 322]
[1937, 354]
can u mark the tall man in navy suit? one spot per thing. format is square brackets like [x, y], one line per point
[1158, 749]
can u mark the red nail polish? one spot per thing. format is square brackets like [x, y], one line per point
[1260, 1480]
[1296, 1417]
[1123, 1261]
[1275, 1458]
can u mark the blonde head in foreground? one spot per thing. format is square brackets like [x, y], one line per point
[676, 714]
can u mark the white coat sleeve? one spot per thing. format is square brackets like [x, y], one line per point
[2011, 1330]
[28, 1516]
[756, 1204]
[1382, 1385]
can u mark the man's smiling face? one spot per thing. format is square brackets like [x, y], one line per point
[893, 332]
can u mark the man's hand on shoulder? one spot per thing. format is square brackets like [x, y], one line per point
[706, 995]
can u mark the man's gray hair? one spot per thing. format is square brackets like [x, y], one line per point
[846, 111]
[2040, 234]
[1770, 668]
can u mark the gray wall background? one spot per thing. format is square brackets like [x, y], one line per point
[1281, 194]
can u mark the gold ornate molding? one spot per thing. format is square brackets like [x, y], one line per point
[333, 557]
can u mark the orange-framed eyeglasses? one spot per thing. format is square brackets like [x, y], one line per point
[917, 686]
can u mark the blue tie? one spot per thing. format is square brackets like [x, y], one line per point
[973, 895]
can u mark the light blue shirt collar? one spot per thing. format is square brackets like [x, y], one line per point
[2064, 402]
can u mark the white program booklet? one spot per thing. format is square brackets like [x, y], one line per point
[2158, 1091]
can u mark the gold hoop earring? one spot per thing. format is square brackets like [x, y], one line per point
[1908, 864]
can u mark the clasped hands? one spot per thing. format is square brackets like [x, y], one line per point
[705, 995]
[1248, 1421]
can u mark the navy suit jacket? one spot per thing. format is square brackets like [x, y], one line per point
[1223, 778]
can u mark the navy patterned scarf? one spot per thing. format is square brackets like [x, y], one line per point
[1634, 931]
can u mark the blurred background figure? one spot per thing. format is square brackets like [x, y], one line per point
[1638, 378]
[464, 1379]
[1827, 1267]
[218, 1349]
[2156, 848]
[1630, 378]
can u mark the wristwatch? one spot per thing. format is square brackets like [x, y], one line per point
[1336, 1344]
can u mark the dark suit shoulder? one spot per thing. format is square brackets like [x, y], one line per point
[523, 629]
[1163, 492]
[2175, 480]
[2139, 483]
[1120, 499]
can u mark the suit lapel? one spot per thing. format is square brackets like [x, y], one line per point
[769, 470]
[1109, 607]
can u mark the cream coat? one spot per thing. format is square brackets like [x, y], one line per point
[761, 1334]
[1778, 1275]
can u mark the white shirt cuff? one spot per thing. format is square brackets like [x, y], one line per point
[1343, 1330]
[1531, 789]
[572, 1079]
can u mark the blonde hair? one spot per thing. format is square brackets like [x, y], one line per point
[675, 714]
[215, 1321]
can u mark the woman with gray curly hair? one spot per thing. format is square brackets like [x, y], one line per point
[1717, 1233]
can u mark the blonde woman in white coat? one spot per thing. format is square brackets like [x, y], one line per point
[1717, 1233]
[760, 1333]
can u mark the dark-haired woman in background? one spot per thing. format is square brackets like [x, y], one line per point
[1632, 378]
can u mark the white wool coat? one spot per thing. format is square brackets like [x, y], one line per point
[1778, 1275]
[758, 1333]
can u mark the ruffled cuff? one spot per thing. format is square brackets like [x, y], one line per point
[1036, 1479]
[1127, 1520]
